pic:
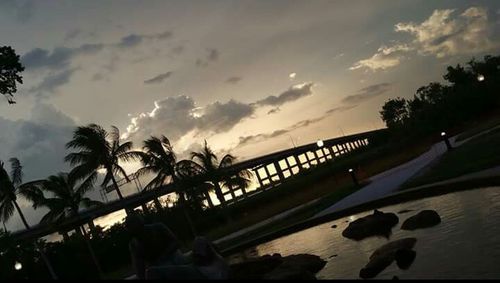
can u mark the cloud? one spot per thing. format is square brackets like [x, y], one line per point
[212, 56]
[273, 111]
[386, 57]
[52, 82]
[179, 116]
[59, 58]
[233, 80]
[21, 10]
[178, 50]
[367, 93]
[97, 77]
[340, 109]
[220, 117]
[445, 33]
[133, 40]
[242, 141]
[293, 93]
[159, 78]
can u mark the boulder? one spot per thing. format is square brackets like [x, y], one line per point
[424, 219]
[311, 263]
[286, 273]
[255, 268]
[300, 266]
[386, 254]
[376, 224]
[404, 258]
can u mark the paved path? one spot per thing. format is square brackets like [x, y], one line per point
[389, 181]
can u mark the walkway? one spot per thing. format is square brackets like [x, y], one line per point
[389, 181]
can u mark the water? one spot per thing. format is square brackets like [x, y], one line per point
[465, 245]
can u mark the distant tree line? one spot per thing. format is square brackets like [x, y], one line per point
[473, 91]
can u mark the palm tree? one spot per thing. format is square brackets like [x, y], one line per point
[10, 187]
[67, 199]
[158, 158]
[206, 162]
[99, 150]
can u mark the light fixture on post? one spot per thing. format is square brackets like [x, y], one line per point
[353, 176]
[480, 77]
[18, 265]
[320, 143]
[446, 141]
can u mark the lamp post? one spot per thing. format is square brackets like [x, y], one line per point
[446, 141]
[353, 176]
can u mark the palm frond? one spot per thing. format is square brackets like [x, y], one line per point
[6, 209]
[227, 161]
[16, 173]
[87, 202]
[87, 185]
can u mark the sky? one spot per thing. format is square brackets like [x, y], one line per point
[250, 77]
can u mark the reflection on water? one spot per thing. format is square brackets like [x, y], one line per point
[465, 245]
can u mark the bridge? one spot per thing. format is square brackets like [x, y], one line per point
[270, 170]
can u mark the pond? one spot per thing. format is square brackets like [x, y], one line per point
[465, 245]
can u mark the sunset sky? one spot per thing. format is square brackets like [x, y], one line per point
[247, 76]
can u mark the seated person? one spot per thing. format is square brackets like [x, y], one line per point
[152, 245]
[207, 264]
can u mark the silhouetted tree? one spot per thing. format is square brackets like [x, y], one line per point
[394, 112]
[67, 197]
[98, 149]
[10, 69]
[206, 163]
[12, 186]
[158, 158]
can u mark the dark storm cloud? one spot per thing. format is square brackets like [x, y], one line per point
[293, 93]
[52, 82]
[59, 58]
[159, 78]
[367, 93]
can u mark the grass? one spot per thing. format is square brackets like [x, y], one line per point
[480, 126]
[480, 153]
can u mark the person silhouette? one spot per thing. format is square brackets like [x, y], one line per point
[152, 245]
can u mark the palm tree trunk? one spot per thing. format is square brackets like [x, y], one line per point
[186, 214]
[85, 237]
[117, 188]
[158, 205]
[42, 252]
[218, 193]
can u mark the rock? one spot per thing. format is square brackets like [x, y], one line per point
[395, 277]
[311, 263]
[285, 273]
[332, 256]
[405, 211]
[255, 268]
[386, 254]
[404, 258]
[424, 219]
[376, 224]
[334, 226]
[300, 266]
